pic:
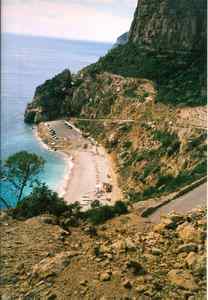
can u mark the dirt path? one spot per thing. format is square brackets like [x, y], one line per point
[195, 198]
[91, 165]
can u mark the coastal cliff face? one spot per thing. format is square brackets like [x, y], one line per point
[159, 31]
[164, 147]
[170, 25]
[144, 104]
[122, 39]
[50, 99]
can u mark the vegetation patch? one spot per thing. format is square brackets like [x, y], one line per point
[100, 214]
[179, 77]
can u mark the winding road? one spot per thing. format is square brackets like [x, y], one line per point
[183, 204]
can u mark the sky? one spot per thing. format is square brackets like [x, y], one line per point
[96, 20]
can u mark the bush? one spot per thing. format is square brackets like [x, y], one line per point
[169, 141]
[95, 204]
[179, 77]
[120, 208]
[130, 92]
[150, 168]
[101, 214]
[41, 200]
[196, 141]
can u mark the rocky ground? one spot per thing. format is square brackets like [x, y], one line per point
[126, 258]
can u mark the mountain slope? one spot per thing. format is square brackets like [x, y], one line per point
[162, 148]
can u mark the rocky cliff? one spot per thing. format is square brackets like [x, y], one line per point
[122, 39]
[166, 44]
[51, 99]
[163, 148]
[170, 25]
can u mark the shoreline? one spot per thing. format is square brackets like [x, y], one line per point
[62, 188]
[89, 166]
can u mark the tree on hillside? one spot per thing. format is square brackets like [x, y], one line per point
[19, 171]
[41, 200]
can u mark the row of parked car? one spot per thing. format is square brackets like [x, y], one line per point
[52, 132]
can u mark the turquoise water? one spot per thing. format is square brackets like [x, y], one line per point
[26, 63]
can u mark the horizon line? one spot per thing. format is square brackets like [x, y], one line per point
[58, 37]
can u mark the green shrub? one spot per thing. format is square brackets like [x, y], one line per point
[179, 77]
[146, 94]
[95, 204]
[125, 128]
[134, 196]
[169, 141]
[41, 200]
[197, 141]
[120, 208]
[164, 180]
[149, 192]
[99, 215]
[150, 168]
[200, 169]
[130, 92]
[127, 144]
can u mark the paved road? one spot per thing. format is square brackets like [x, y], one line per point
[183, 204]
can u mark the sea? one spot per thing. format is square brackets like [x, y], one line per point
[26, 62]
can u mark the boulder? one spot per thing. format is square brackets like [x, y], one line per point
[188, 233]
[52, 265]
[200, 265]
[176, 218]
[130, 245]
[141, 288]
[104, 249]
[105, 276]
[182, 279]
[166, 223]
[191, 259]
[119, 246]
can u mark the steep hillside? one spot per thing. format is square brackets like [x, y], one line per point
[123, 259]
[149, 87]
[167, 44]
[156, 150]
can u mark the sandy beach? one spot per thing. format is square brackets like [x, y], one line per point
[89, 166]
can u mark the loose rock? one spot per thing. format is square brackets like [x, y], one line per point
[182, 279]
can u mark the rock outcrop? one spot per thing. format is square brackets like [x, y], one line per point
[51, 99]
[170, 25]
[151, 50]
[122, 39]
